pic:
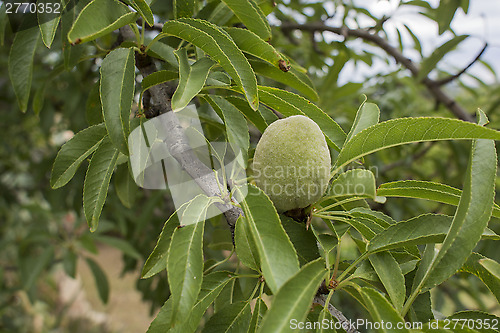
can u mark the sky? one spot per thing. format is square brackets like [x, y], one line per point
[482, 23]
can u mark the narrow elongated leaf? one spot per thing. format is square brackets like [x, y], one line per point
[259, 311]
[32, 267]
[445, 12]
[356, 182]
[125, 186]
[74, 152]
[389, 272]
[381, 311]
[48, 24]
[245, 246]
[407, 130]
[294, 299]
[236, 125]
[20, 64]
[251, 16]
[117, 95]
[278, 258]
[290, 104]
[423, 229]
[156, 78]
[250, 43]
[211, 287]
[471, 217]
[232, 318]
[491, 266]
[99, 18]
[473, 266]
[157, 260]
[183, 8]
[185, 269]
[425, 190]
[191, 78]
[254, 117]
[468, 318]
[143, 8]
[120, 244]
[429, 63]
[416, 41]
[221, 48]
[100, 278]
[289, 78]
[3, 23]
[303, 240]
[93, 107]
[367, 115]
[95, 188]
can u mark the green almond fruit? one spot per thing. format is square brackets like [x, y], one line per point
[292, 163]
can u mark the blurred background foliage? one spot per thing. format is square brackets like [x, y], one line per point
[44, 230]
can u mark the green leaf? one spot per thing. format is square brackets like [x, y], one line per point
[39, 99]
[32, 267]
[231, 318]
[159, 77]
[491, 266]
[294, 299]
[20, 64]
[355, 182]
[251, 16]
[476, 319]
[100, 278]
[429, 63]
[211, 287]
[93, 107]
[143, 8]
[221, 48]
[474, 266]
[290, 78]
[184, 8]
[125, 186]
[381, 310]
[423, 229]
[254, 117]
[191, 78]
[278, 258]
[389, 272]
[117, 95]
[250, 43]
[425, 190]
[259, 311]
[185, 269]
[245, 246]
[368, 114]
[471, 217]
[290, 104]
[120, 244]
[416, 41]
[407, 130]
[157, 259]
[303, 240]
[236, 125]
[445, 12]
[99, 18]
[74, 152]
[95, 187]
[3, 23]
[48, 24]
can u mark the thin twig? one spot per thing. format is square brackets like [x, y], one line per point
[346, 323]
[374, 38]
[456, 76]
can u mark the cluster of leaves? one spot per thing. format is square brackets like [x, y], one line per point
[279, 263]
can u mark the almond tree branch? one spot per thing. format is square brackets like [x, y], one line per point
[456, 76]
[346, 323]
[177, 141]
[433, 86]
